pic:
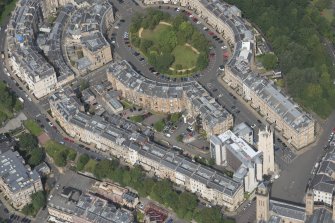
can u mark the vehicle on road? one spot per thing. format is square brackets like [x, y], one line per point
[253, 126]
[21, 99]
[50, 123]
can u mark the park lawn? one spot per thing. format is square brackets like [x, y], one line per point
[59, 153]
[137, 118]
[154, 34]
[33, 127]
[159, 125]
[184, 56]
[90, 165]
[126, 104]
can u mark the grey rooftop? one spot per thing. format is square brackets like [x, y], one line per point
[125, 136]
[14, 173]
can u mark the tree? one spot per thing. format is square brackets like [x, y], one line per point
[82, 161]
[104, 168]
[28, 142]
[209, 215]
[135, 40]
[28, 209]
[71, 154]
[269, 61]
[202, 61]
[36, 156]
[179, 19]
[187, 29]
[167, 37]
[38, 200]
[60, 158]
[145, 45]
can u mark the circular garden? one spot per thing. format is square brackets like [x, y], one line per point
[172, 45]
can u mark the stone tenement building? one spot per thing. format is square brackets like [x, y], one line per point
[119, 138]
[45, 73]
[17, 181]
[170, 98]
[295, 125]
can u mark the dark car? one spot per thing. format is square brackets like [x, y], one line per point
[215, 89]
[121, 20]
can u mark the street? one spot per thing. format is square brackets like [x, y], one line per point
[295, 169]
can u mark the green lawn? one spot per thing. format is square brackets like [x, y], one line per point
[60, 153]
[33, 127]
[159, 125]
[126, 104]
[137, 118]
[184, 56]
[154, 34]
[90, 165]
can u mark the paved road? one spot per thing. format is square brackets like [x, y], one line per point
[247, 213]
[293, 180]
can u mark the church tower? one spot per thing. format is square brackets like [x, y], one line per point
[265, 144]
[262, 203]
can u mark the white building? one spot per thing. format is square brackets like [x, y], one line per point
[265, 145]
[323, 183]
[245, 132]
[229, 150]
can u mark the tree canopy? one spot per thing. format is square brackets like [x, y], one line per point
[184, 204]
[29, 150]
[8, 103]
[296, 31]
[38, 200]
[159, 48]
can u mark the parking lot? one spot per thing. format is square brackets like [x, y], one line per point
[11, 217]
